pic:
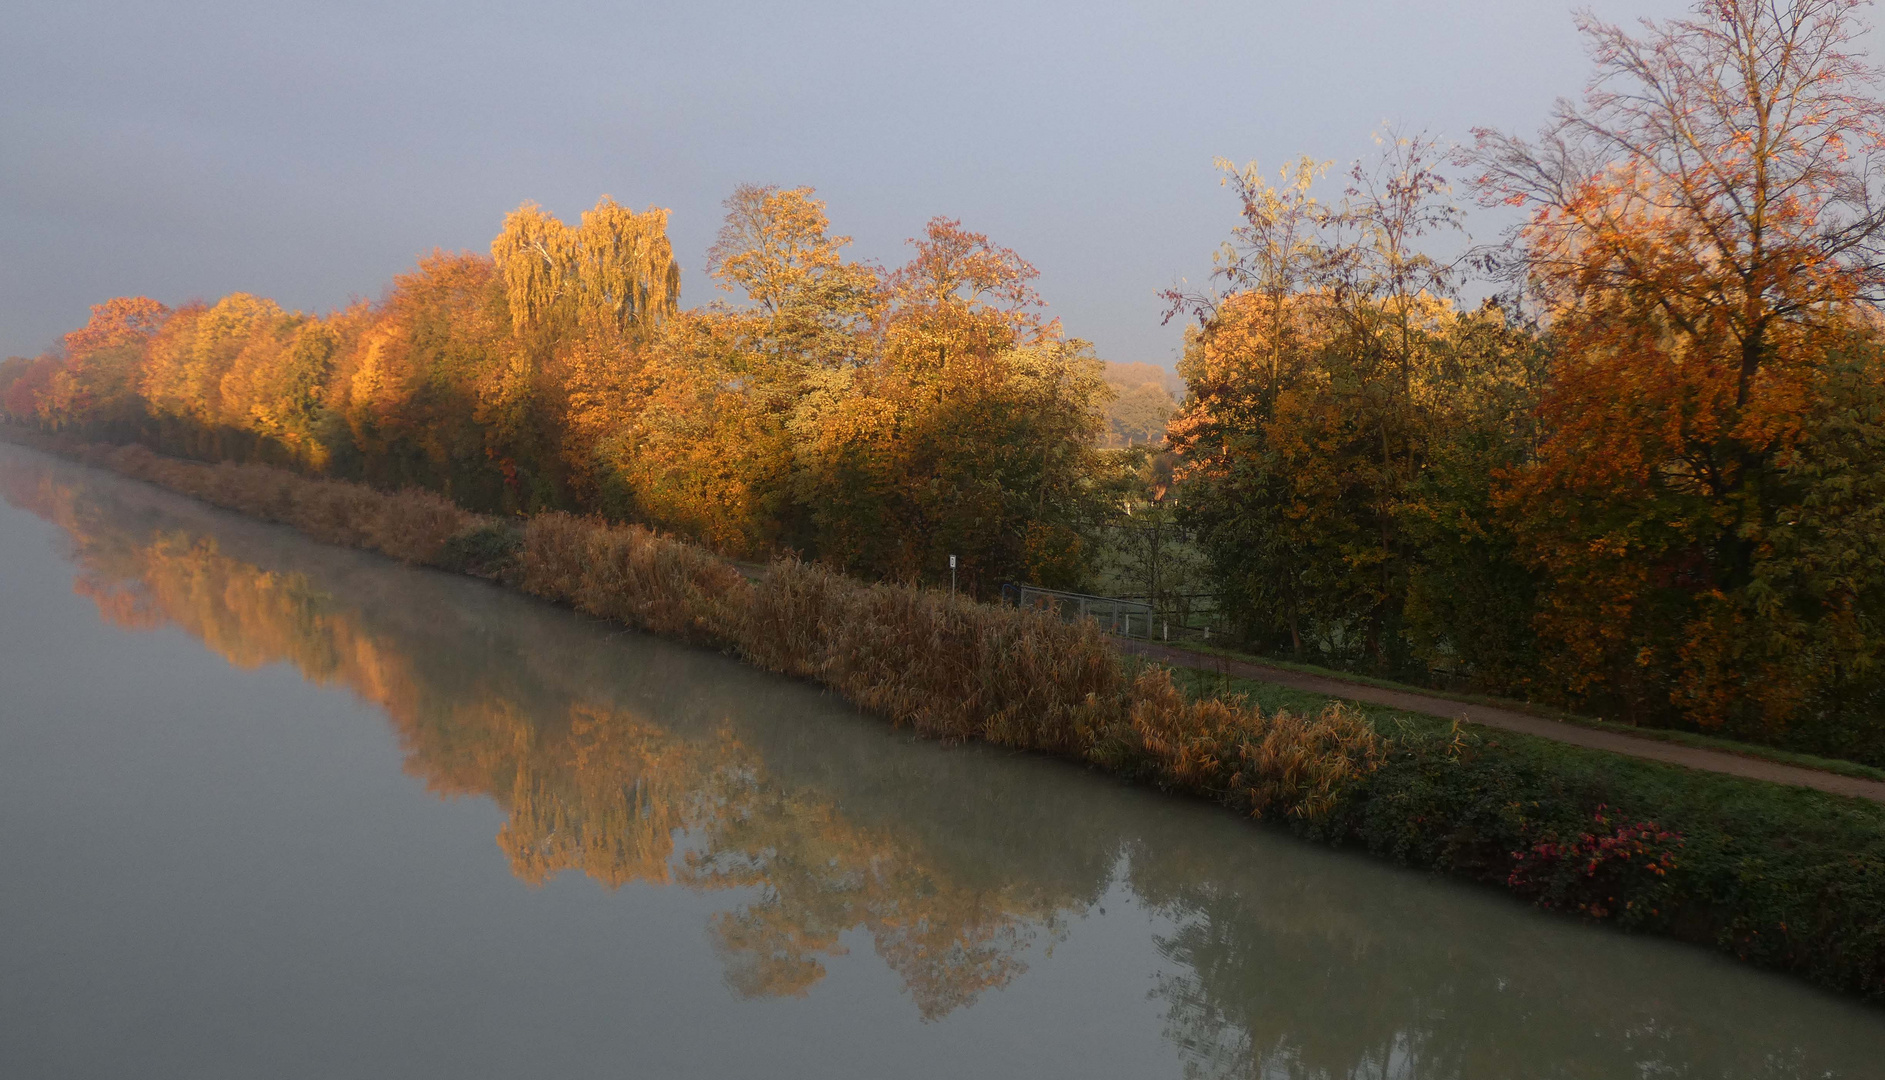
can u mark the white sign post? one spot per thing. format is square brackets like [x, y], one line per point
[952, 577]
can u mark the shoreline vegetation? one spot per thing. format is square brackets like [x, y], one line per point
[1644, 481]
[1782, 877]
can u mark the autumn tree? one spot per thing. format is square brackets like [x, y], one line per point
[701, 445]
[1323, 376]
[97, 383]
[971, 432]
[24, 384]
[1250, 342]
[613, 273]
[434, 392]
[277, 388]
[11, 370]
[120, 321]
[1138, 415]
[92, 381]
[188, 359]
[776, 247]
[695, 424]
[583, 302]
[1704, 238]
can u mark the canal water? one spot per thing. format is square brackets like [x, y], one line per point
[274, 809]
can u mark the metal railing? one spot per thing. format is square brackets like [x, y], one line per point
[1121, 615]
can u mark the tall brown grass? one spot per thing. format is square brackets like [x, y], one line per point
[1244, 758]
[630, 575]
[948, 667]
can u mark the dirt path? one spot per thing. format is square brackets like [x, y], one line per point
[1693, 757]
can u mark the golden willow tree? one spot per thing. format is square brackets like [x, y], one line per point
[614, 273]
[585, 302]
[1707, 238]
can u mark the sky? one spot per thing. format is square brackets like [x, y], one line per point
[309, 152]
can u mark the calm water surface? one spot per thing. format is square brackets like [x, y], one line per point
[273, 809]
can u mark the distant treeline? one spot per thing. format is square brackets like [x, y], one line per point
[878, 420]
[1142, 404]
[1648, 480]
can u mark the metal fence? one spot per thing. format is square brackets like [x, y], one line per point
[1122, 615]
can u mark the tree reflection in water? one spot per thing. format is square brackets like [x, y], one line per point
[588, 785]
[634, 761]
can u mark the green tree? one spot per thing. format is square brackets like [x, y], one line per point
[1138, 414]
[1319, 384]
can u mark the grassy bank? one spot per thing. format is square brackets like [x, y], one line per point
[1784, 877]
[1781, 876]
[1759, 751]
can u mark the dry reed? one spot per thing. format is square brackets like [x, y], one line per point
[948, 667]
[1245, 759]
[630, 575]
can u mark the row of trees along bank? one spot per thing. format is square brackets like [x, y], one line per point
[1649, 480]
[876, 420]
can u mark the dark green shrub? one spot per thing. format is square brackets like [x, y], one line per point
[488, 549]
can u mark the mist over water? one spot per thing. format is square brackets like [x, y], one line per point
[272, 808]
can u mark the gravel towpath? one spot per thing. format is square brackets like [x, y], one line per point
[1693, 757]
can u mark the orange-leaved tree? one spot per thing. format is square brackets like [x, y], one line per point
[98, 382]
[188, 359]
[1704, 234]
[24, 383]
[694, 424]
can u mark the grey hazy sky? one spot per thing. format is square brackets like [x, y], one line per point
[310, 151]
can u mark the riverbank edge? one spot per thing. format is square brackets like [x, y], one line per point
[1504, 812]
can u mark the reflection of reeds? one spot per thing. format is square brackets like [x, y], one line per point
[410, 525]
[948, 667]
